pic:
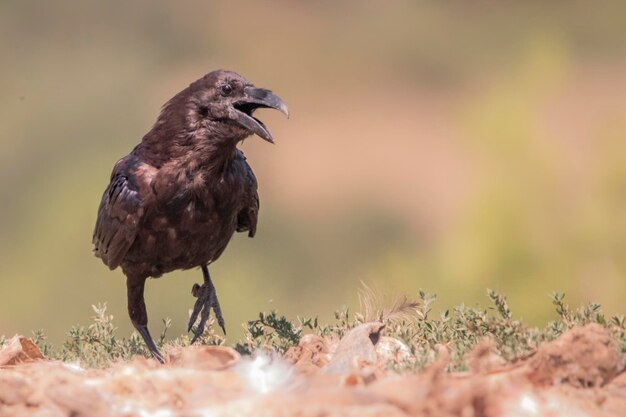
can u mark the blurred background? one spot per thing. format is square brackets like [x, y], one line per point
[449, 146]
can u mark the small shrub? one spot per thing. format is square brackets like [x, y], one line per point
[459, 329]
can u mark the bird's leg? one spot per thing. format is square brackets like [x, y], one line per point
[206, 300]
[138, 314]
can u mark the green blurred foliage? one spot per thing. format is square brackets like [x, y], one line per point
[532, 93]
[459, 330]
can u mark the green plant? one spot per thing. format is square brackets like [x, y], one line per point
[458, 330]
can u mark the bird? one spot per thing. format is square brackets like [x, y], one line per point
[175, 201]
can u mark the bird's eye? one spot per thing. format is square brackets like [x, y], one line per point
[227, 89]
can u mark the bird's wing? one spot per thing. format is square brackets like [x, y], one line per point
[119, 214]
[247, 217]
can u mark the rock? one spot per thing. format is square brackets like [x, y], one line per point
[14, 388]
[19, 349]
[355, 348]
[204, 357]
[310, 355]
[583, 357]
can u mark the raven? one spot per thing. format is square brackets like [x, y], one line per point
[176, 200]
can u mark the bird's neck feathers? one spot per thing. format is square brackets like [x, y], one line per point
[187, 138]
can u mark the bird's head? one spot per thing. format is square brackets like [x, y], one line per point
[222, 104]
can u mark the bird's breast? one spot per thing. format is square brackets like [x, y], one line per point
[190, 216]
[184, 237]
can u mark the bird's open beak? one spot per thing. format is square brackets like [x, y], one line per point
[255, 98]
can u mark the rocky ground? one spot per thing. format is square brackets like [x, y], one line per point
[578, 374]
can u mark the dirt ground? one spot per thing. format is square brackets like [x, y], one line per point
[578, 374]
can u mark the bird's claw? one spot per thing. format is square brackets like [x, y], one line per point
[195, 290]
[154, 351]
[206, 300]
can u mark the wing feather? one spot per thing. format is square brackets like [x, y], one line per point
[248, 216]
[119, 214]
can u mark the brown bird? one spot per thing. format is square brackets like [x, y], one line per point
[176, 200]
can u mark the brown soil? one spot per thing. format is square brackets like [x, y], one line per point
[579, 374]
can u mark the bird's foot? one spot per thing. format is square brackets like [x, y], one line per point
[206, 300]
